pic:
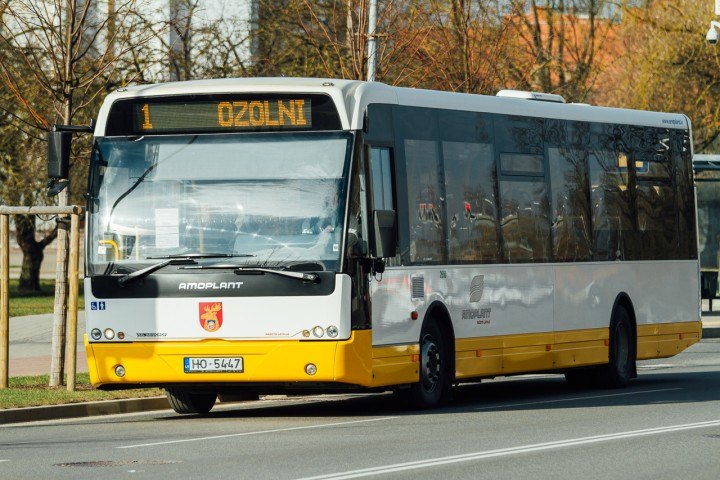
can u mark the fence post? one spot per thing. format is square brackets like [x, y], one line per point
[71, 341]
[57, 360]
[4, 300]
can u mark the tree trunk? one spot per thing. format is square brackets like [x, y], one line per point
[32, 251]
[30, 272]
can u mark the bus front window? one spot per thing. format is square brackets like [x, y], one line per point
[270, 199]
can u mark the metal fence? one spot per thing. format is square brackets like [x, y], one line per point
[74, 212]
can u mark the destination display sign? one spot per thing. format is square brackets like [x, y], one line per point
[230, 115]
[222, 113]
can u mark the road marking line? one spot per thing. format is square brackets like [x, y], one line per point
[560, 400]
[502, 452]
[260, 432]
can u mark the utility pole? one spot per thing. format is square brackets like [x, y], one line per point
[371, 42]
[179, 39]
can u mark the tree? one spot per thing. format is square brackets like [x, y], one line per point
[328, 38]
[57, 58]
[668, 66]
[461, 45]
[560, 45]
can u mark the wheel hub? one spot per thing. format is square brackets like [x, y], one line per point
[431, 364]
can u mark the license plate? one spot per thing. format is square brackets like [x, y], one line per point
[213, 364]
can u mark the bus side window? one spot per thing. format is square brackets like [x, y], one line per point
[382, 179]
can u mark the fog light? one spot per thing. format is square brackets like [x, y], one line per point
[109, 333]
[318, 331]
[310, 369]
[332, 331]
[120, 371]
[96, 334]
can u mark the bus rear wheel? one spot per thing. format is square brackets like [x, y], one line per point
[434, 369]
[617, 373]
[185, 402]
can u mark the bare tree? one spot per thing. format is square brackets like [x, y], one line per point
[336, 32]
[57, 58]
[560, 45]
[460, 46]
[668, 66]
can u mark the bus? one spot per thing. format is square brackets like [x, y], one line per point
[278, 235]
[707, 181]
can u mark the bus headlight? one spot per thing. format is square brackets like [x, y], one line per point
[332, 331]
[95, 334]
[318, 331]
[109, 333]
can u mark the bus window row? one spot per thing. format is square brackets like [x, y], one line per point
[488, 188]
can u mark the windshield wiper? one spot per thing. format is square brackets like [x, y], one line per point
[125, 279]
[305, 277]
[202, 255]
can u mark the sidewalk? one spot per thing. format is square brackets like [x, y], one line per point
[31, 344]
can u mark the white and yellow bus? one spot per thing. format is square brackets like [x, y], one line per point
[283, 235]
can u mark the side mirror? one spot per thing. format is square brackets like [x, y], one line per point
[383, 240]
[58, 154]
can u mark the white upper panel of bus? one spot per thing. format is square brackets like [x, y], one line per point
[352, 98]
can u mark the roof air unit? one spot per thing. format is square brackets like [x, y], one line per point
[538, 96]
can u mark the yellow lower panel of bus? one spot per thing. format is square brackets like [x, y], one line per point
[356, 362]
[395, 365]
[263, 361]
[505, 355]
[667, 339]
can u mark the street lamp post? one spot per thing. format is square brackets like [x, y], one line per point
[371, 41]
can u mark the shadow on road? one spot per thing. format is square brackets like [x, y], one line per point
[512, 394]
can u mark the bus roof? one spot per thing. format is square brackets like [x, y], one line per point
[352, 97]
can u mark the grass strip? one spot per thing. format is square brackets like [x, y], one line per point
[34, 303]
[34, 391]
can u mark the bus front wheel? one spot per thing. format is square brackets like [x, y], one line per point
[434, 369]
[183, 401]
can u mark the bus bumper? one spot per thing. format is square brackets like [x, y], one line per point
[283, 361]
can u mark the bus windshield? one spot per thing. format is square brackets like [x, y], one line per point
[270, 199]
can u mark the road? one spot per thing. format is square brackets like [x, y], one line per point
[666, 425]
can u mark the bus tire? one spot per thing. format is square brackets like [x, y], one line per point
[618, 372]
[434, 367]
[186, 402]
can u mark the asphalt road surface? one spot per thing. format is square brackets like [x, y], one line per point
[666, 425]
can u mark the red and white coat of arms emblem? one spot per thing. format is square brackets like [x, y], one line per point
[211, 316]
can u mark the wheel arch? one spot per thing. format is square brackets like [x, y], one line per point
[438, 312]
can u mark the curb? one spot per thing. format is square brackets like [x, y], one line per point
[86, 409]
